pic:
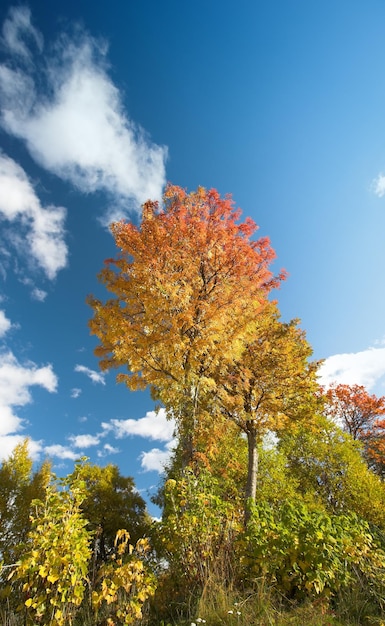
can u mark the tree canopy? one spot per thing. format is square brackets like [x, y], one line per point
[188, 286]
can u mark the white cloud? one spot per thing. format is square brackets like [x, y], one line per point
[16, 28]
[38, 294]
[44, 226]
[154, 426]
[378, 185]
[84, 441]
[107, 449]
[155, 459]
[75, 392]
[9, 442]
[76, 127]
[96, 377]
[5, 324]
[361, 368]
[61, 452]
[15, 381]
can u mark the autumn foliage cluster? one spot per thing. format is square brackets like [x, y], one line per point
[273, 498]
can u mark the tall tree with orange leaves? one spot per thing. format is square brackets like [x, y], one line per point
[188, 287]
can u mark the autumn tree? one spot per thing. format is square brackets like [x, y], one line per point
[354, 408]
[374, 442]
[272, 384]
[361, 414]
[188, 286]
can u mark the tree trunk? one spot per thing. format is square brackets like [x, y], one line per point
[252, 471]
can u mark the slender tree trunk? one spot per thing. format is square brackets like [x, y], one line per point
[252, 470]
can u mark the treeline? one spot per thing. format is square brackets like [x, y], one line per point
[83, 550]
[273, 500]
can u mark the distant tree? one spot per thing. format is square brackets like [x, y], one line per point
[110, 503]
[188, 286]
[354, 408]
[362, 415]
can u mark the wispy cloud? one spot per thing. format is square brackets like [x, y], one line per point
[154, 426]
[362, 368]
[5, 324]
[75, 392]
[378, 185]
[43, 226]
[17, 30]
[38, 294]
[72, 118]
[106, 450]
[96, 377]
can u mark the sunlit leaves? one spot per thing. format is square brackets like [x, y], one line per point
[125, 582]
[361, 415]
[354, 408]
[54, 566]
[187, 288]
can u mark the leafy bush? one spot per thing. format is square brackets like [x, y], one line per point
[307, 552]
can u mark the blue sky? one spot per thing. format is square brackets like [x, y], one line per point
[280, 103]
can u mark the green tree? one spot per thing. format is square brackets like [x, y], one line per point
[19, 485]
[110, 503]
[329, 469]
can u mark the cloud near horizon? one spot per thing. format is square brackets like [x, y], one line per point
[72, 117]
[366, 368]
[15, 382]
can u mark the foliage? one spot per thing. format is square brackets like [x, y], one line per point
[374, 445]
[110, 503]
[125, 582]
[306, 552]
[197, 528]
[361, 415]
[19, 485]
[190, 318]
[272, 384]
[188, 285]
[354, 408]
[329, 469]
[53, 568]
[194, 540]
